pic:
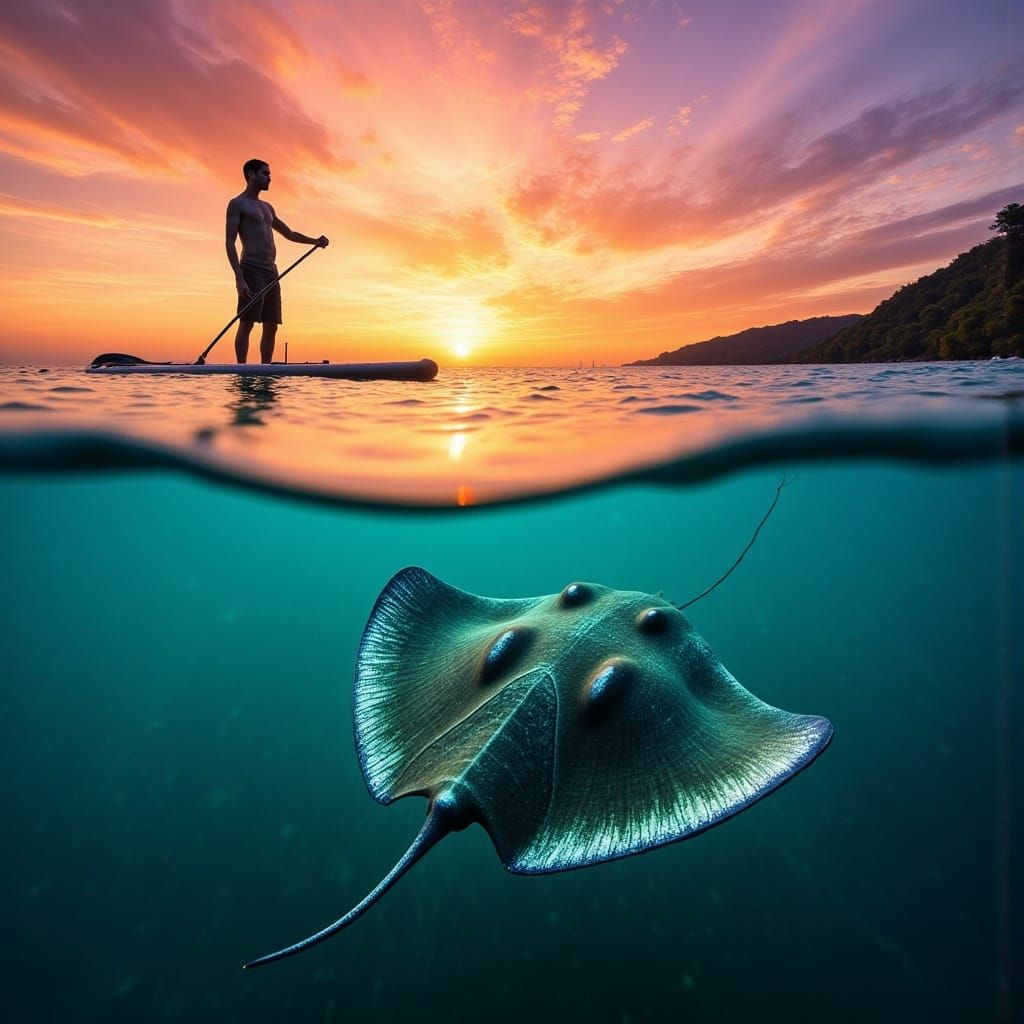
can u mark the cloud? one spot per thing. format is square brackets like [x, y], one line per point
[448, 245]
[680, 119]
[16, 206]
[594, 204]
[969, 211]
[636, 129]
[143, 88]
[567, 34]
[761, 288]
[455, 37]
[770, 278]
[877, 142]
[686, 198]
[255, 32]
[355, 83]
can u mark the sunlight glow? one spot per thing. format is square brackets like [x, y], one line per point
[532, 183]
[456, 446]
[468, 329]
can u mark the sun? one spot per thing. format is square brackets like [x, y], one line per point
[467, 330]
[463, 337]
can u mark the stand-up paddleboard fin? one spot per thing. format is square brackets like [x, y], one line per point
[121, 359]
[440, 821]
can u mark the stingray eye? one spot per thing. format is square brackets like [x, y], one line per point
[574, 595]
[652, 621]
[504, 652]
[607, 686]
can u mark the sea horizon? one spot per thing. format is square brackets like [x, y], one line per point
[435, 586]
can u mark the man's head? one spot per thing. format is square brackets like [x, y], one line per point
[258, 170]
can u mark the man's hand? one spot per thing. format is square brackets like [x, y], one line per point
[323, 242]
[244, 291]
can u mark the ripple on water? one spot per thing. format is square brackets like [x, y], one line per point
[478, 436]
[16, 406]
[707, 396]
[666, 410]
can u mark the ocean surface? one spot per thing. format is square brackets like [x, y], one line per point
[189, 567]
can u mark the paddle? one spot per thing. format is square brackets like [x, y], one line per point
[259, 295]
[120, 359]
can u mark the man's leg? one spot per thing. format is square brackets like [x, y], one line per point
[267, 342]
[242, 340]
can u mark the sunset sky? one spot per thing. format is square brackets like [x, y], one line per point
[503, 181]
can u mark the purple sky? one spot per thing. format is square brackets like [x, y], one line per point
[505, 182]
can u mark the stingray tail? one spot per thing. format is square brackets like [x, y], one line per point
[435, 828]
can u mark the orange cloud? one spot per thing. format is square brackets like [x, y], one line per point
[355, 83]
[14, 206]
[686, 198]
[577, 58]
[444, 245]
[151, 90]
[635, 129]
[255, 32]
[452, 31]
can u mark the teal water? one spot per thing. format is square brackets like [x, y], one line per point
[181, 792]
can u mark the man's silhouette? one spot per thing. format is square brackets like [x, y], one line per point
[255, 221]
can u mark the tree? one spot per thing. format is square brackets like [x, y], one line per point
[1010, 224]
[1009, 221]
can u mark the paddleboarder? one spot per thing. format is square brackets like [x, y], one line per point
[256, 221]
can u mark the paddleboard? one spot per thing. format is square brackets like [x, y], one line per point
[422, 369]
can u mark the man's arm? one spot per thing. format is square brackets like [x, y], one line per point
[234, 221]
[295, 236]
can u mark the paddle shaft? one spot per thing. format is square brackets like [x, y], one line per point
[256, 298]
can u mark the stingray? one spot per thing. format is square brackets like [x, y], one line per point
[575, 728]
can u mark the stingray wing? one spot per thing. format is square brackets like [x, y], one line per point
[418, 679]
[428, 718]
[684, 748]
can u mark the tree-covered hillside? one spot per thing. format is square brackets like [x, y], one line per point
[972, 309]
[775, 344]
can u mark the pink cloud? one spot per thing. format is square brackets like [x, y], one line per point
[635, 129]
[684, 198]
[142, 85]
[682, 117]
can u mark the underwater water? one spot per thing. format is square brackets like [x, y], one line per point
[178, 778]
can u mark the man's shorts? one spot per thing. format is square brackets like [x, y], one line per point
[268, 309]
